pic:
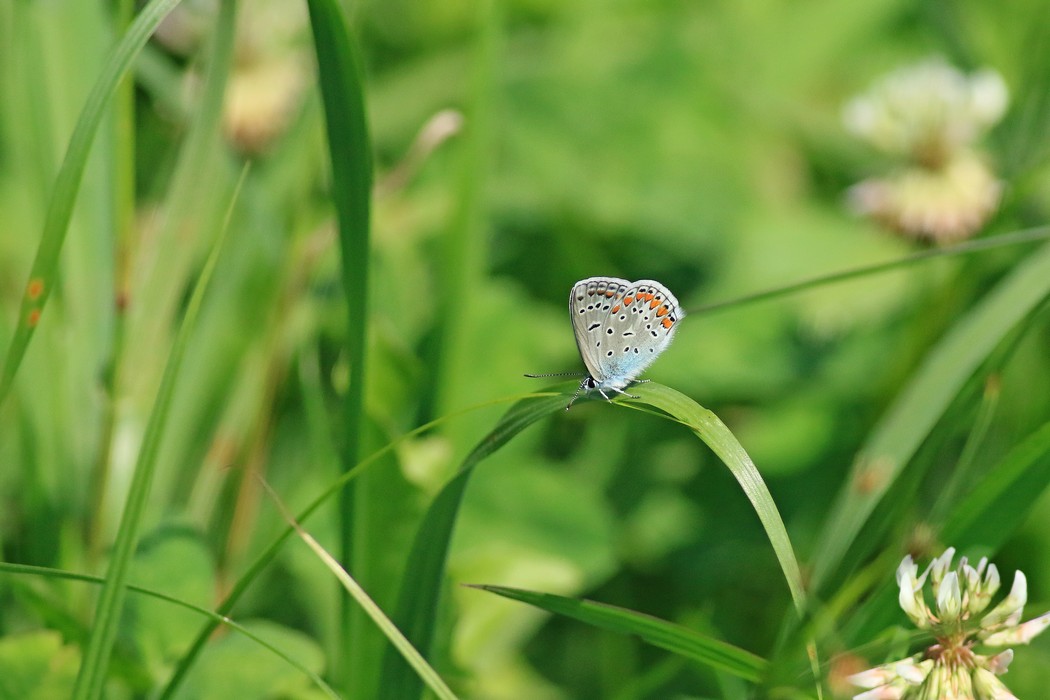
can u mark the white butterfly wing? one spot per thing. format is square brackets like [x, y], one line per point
[621, 327]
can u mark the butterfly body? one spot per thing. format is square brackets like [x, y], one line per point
[621, 327]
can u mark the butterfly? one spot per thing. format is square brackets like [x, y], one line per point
[621, 327]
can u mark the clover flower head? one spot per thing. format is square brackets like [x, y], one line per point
[929, 118]
[951, 668]
[928, 110]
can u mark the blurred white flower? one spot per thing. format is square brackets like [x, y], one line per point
[950, 668]
[927, 111]
[942, 206]
[929, 116]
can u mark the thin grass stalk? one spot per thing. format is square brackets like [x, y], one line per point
[1023, 236]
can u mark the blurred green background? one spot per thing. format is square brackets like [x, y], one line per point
[695, 143]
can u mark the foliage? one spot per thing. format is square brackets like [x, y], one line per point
[362, 362]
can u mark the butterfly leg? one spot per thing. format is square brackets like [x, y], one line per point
[621, 391]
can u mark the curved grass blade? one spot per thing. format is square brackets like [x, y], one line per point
[666, 635]
[92, 673]
[707, 426]
[921, 404]
[417, 605]
[45, 572]
[43, 274]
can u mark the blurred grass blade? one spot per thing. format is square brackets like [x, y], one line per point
[921, 404]
[1021, 237]
[707, 426]
[48, 573]
[342, 92]
[392, 633]
[666, 635]
[1003, 499]
[92, 673]
[417, 604]
[44, 272]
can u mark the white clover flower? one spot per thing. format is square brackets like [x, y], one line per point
[928, 110]
[950, 669]
[930, 117]
[941, 206]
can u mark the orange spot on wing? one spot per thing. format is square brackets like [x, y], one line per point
[667, 322]
[615, 308]
[35, 288]
[662, 311]
[33, 318]
[654, 303]
[628, 301]
[608, 292]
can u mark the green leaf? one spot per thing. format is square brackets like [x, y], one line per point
[666, 635]
[921, 404]
[36, 666]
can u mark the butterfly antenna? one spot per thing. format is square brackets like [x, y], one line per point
[555, 374]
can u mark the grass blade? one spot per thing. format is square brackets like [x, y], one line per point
[923, 401]
[392, 633]
[92, 673]
[43, 274]
[342, 92]
[666, 635]
[417, 606]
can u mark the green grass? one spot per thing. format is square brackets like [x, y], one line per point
[201, 292]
